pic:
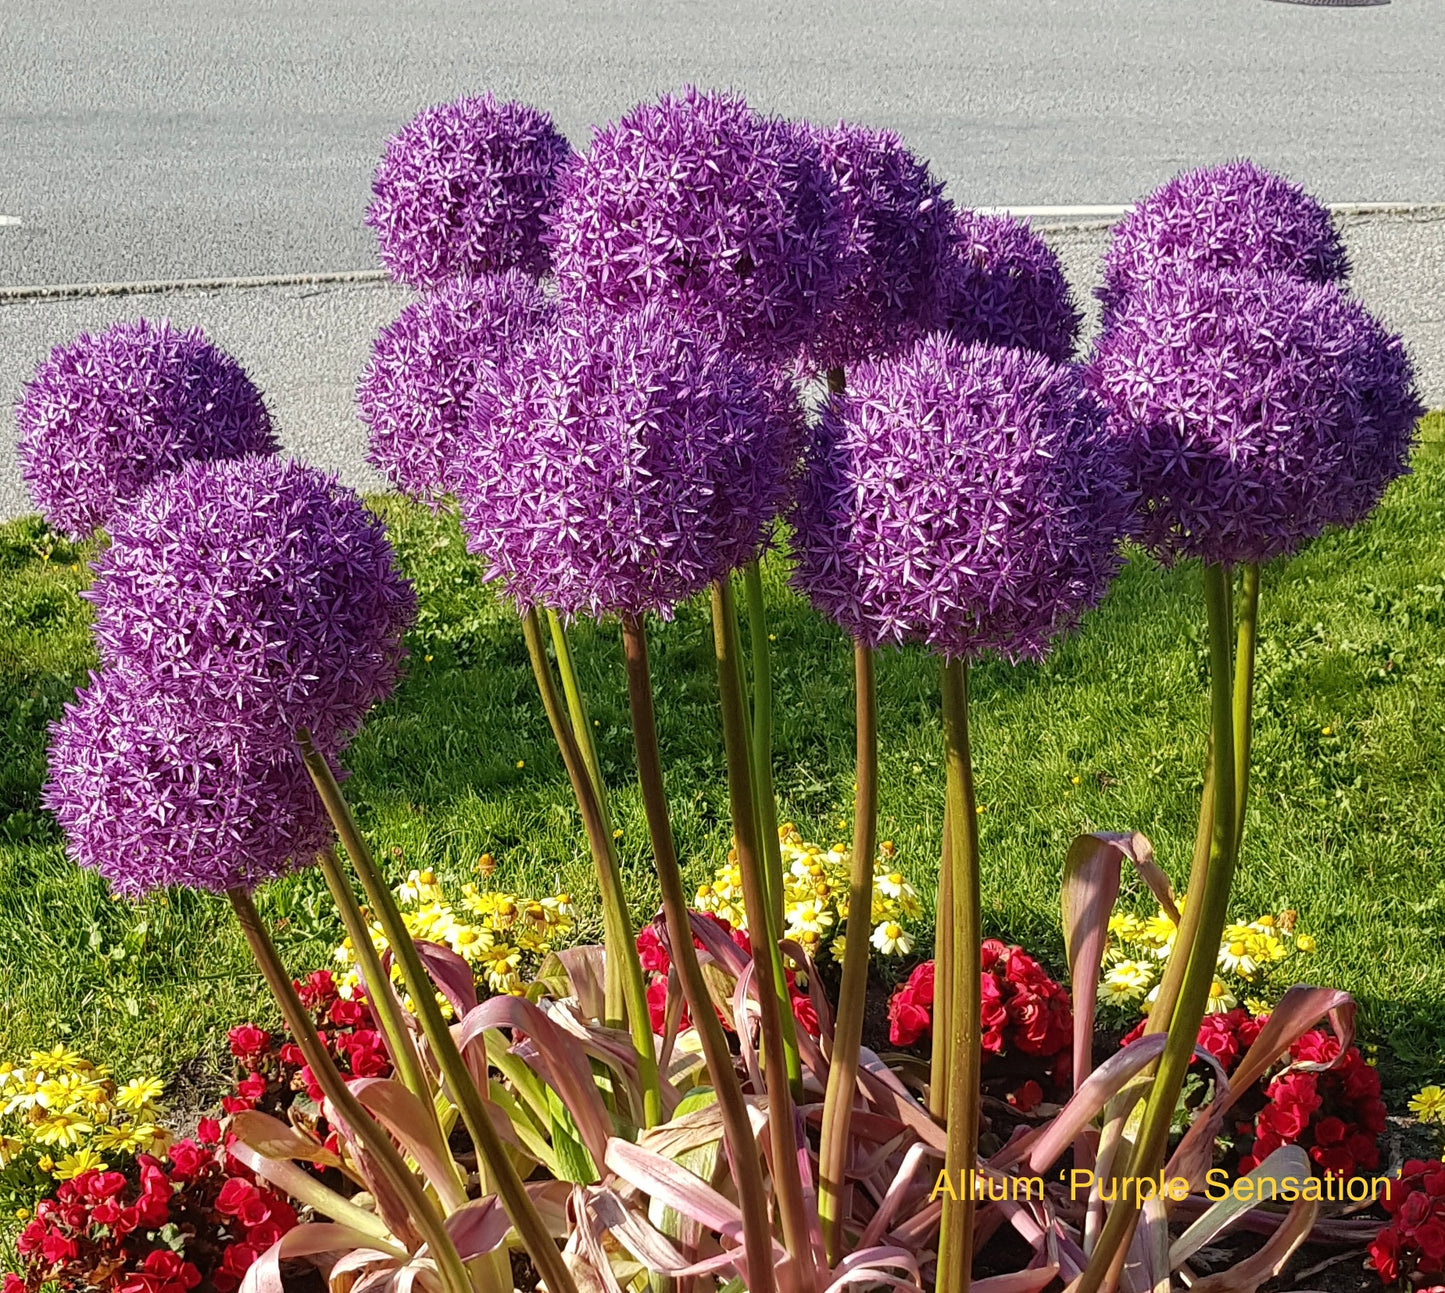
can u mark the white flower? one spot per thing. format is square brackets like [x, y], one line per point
[891, 939]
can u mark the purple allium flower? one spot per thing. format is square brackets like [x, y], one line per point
[626, 464]
[701, 203]
[417, 390]
[463, 188]
[967, 497]
[149, 797]
[259, 588]
[900, 236]
[1004, 286]
[1257, 411]
[107, 413]
[1235, 216]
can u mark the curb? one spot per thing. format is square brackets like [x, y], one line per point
[1049, 219]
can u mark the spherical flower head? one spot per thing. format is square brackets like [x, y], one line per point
[463, 189]
[966, 497]
[1004, 285]
[1255, 410]
[150, 794]
[427, 366]
[109, 412]
[258, 588]
[625, 465]
[698, 202]
[899, 237]
[1217, 219]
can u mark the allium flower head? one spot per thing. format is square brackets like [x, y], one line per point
[258, 588]
[1235, 216]
[967, 497]
[107, 413]
[150, 794]
[1257, 410]
[1004, 285]
[463, 188]
[698, 202]
[625, 465]
[416, 392]
[900, 234]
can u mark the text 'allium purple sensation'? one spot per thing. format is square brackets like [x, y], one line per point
[417, 390]
[107, 413]
[899, 237]
[1257, 410]
[967, 497]
[258, 590]
[149, 795]
[626, 464]
[702, 204]
[463, 189]
[1005, 286]
[1234, 216]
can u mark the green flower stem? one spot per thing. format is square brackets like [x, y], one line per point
[942, 977]
[1203, 952]
[619, 936]
[760, 748]
[762, 744]
[767, 955]
[614, 1008]
[964, 1011]
[577, 711]
[1248, 616]
[1162, 1011]
[848, 1028]
[378, 1143]
[495, 1168]
[388, 1009]
[737, 1128]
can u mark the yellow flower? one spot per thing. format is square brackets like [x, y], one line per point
[1125, 982]
[84, 1159]
[63, 1129]
[1305, 943]
[139, 1094]
[1428, 1105]
[521, 763]
[500, 965]
[120, 1139]
[59, 1059]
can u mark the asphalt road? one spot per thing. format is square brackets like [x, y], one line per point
[160, 140]
[146, 139]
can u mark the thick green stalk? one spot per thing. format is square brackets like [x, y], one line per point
[1162, 1011]
[848, 1028]
[614, 984]
[767, 955]
[495, 1168]
[618, 933]
[388, 1009]
[762, 744]
[737, 1128]
[942, 977]
[377, 1141]
[1248, 614]
[577, 710]
[965, 1054]
[1203, 953]
[766, 819]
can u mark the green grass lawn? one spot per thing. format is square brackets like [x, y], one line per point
[1346, 823]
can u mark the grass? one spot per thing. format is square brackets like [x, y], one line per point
[1346, 823]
